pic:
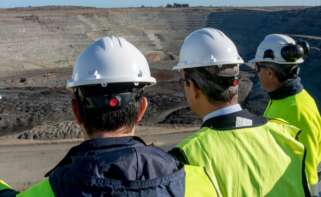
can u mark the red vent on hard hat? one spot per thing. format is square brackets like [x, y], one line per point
[235, 82]
[113, 102]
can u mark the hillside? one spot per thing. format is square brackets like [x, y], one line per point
[38, 47]
[51, 38]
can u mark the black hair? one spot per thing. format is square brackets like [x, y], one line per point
[103, 118]
[216, 88]
[283, 72]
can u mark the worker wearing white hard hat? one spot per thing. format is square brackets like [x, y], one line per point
[277, 60]
[244, 154]
[108, 81]
[110, 60]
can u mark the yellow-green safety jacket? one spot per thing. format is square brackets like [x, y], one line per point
[6, 190]
[298, 108]
[4, 185]
[247, 155]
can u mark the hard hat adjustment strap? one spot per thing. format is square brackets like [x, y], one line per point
[203, 77]
[111, 99]
[110, 102]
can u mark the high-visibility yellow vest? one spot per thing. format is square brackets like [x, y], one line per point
[42, 188]
[260, 161]
[6, 190]
[4, 185]
[301, 111]
[197, 182]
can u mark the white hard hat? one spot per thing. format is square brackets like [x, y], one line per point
[280, 49]
[110, 60]
[207, 47]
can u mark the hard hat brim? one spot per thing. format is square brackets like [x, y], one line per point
[181, 66]
[74, 84]
[255, 60]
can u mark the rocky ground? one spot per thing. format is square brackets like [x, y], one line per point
[38, 107]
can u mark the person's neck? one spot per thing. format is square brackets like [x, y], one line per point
[274, 85]
[121, 132]
[289, 87]
[209, 107]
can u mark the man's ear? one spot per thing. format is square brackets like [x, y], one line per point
[195, 90]
[76, 110]
[270, 73]
[143, 104]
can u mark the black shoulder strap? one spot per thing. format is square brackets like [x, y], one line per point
[237, 120]
[304, 178]
[179, 155]
[8, 193]
[297, 135]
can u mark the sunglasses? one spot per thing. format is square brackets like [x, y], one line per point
[259, 66]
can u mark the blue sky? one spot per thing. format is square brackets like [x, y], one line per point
[136, 3]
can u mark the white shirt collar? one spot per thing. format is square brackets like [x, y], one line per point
[223, 111]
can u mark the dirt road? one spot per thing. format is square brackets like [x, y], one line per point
[23, 163]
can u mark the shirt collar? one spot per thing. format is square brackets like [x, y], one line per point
[223, 111]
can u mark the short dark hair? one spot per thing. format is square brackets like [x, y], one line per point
[216, 88]
[283, 72]
[102, 118]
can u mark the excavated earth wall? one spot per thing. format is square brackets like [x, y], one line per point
[38, 47]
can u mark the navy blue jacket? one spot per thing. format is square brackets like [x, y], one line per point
[123, 166]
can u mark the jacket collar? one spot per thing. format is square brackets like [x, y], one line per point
[237, 120]
[96, 144]
[289, 88]
[99, 143]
